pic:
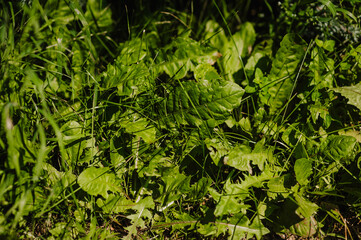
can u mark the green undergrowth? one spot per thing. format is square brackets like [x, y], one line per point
[130, 122]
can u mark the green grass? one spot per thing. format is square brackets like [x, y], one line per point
[175, 120]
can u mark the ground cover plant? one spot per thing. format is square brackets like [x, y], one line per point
[180, 119]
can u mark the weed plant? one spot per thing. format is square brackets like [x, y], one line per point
[180, 120]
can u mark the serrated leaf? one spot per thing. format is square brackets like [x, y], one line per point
[141, 128]
[229, 205]
[197, 103]
[239, 227]
[183, 220]
[303, 169]
[183, 55]
[175, 184]
[317, 110]
[230, 202]
[352, 93]
[282, 76]
[241, 157]
[142, 212]
[115, 204]
[322, 68]
[98, 181]
[337, 147]
[200, 188]
[58, 180]
[129, 79]
[208, 229]
[352, 133]
[279, 185]
[217, 149]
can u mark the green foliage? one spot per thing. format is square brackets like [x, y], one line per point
[303, 169]
[205, 101]
[151, 121]
[278, 86]
[96, 181]
[352, 93]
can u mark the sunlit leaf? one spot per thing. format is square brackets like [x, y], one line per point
[303, 169]
[196, 103]
[242, 156]
[281, 79]
[239, 227]
[352, 93]
[306, 208]
[337, 147]
[98, 181]
[137, 220]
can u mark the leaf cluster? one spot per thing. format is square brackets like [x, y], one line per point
[184, 126]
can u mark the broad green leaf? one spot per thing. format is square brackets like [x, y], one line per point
[317, 111]
[98, 181]
[58, 180]
[322, 68]
[283, 72]
[129, 79]
[229, 204]
[237, 47]
[241, 157]
[352, 93]
[239, 227]
[337, 147]
[196, 103]
[175, 184]
[305, 207]
[303, 169]
[215, 34]
[141, 128]
[78, 145]
[279, 185]
[328, 45]
[183, 55]
[199, 189]
[155, 165]
[117, 153]
[260, 58]
[137, 220]
[205, 72]
[97, 15]
[115, 204]
[133, 52]
[217, 149]
[215, 195]
[306, 228]
[352, 133]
